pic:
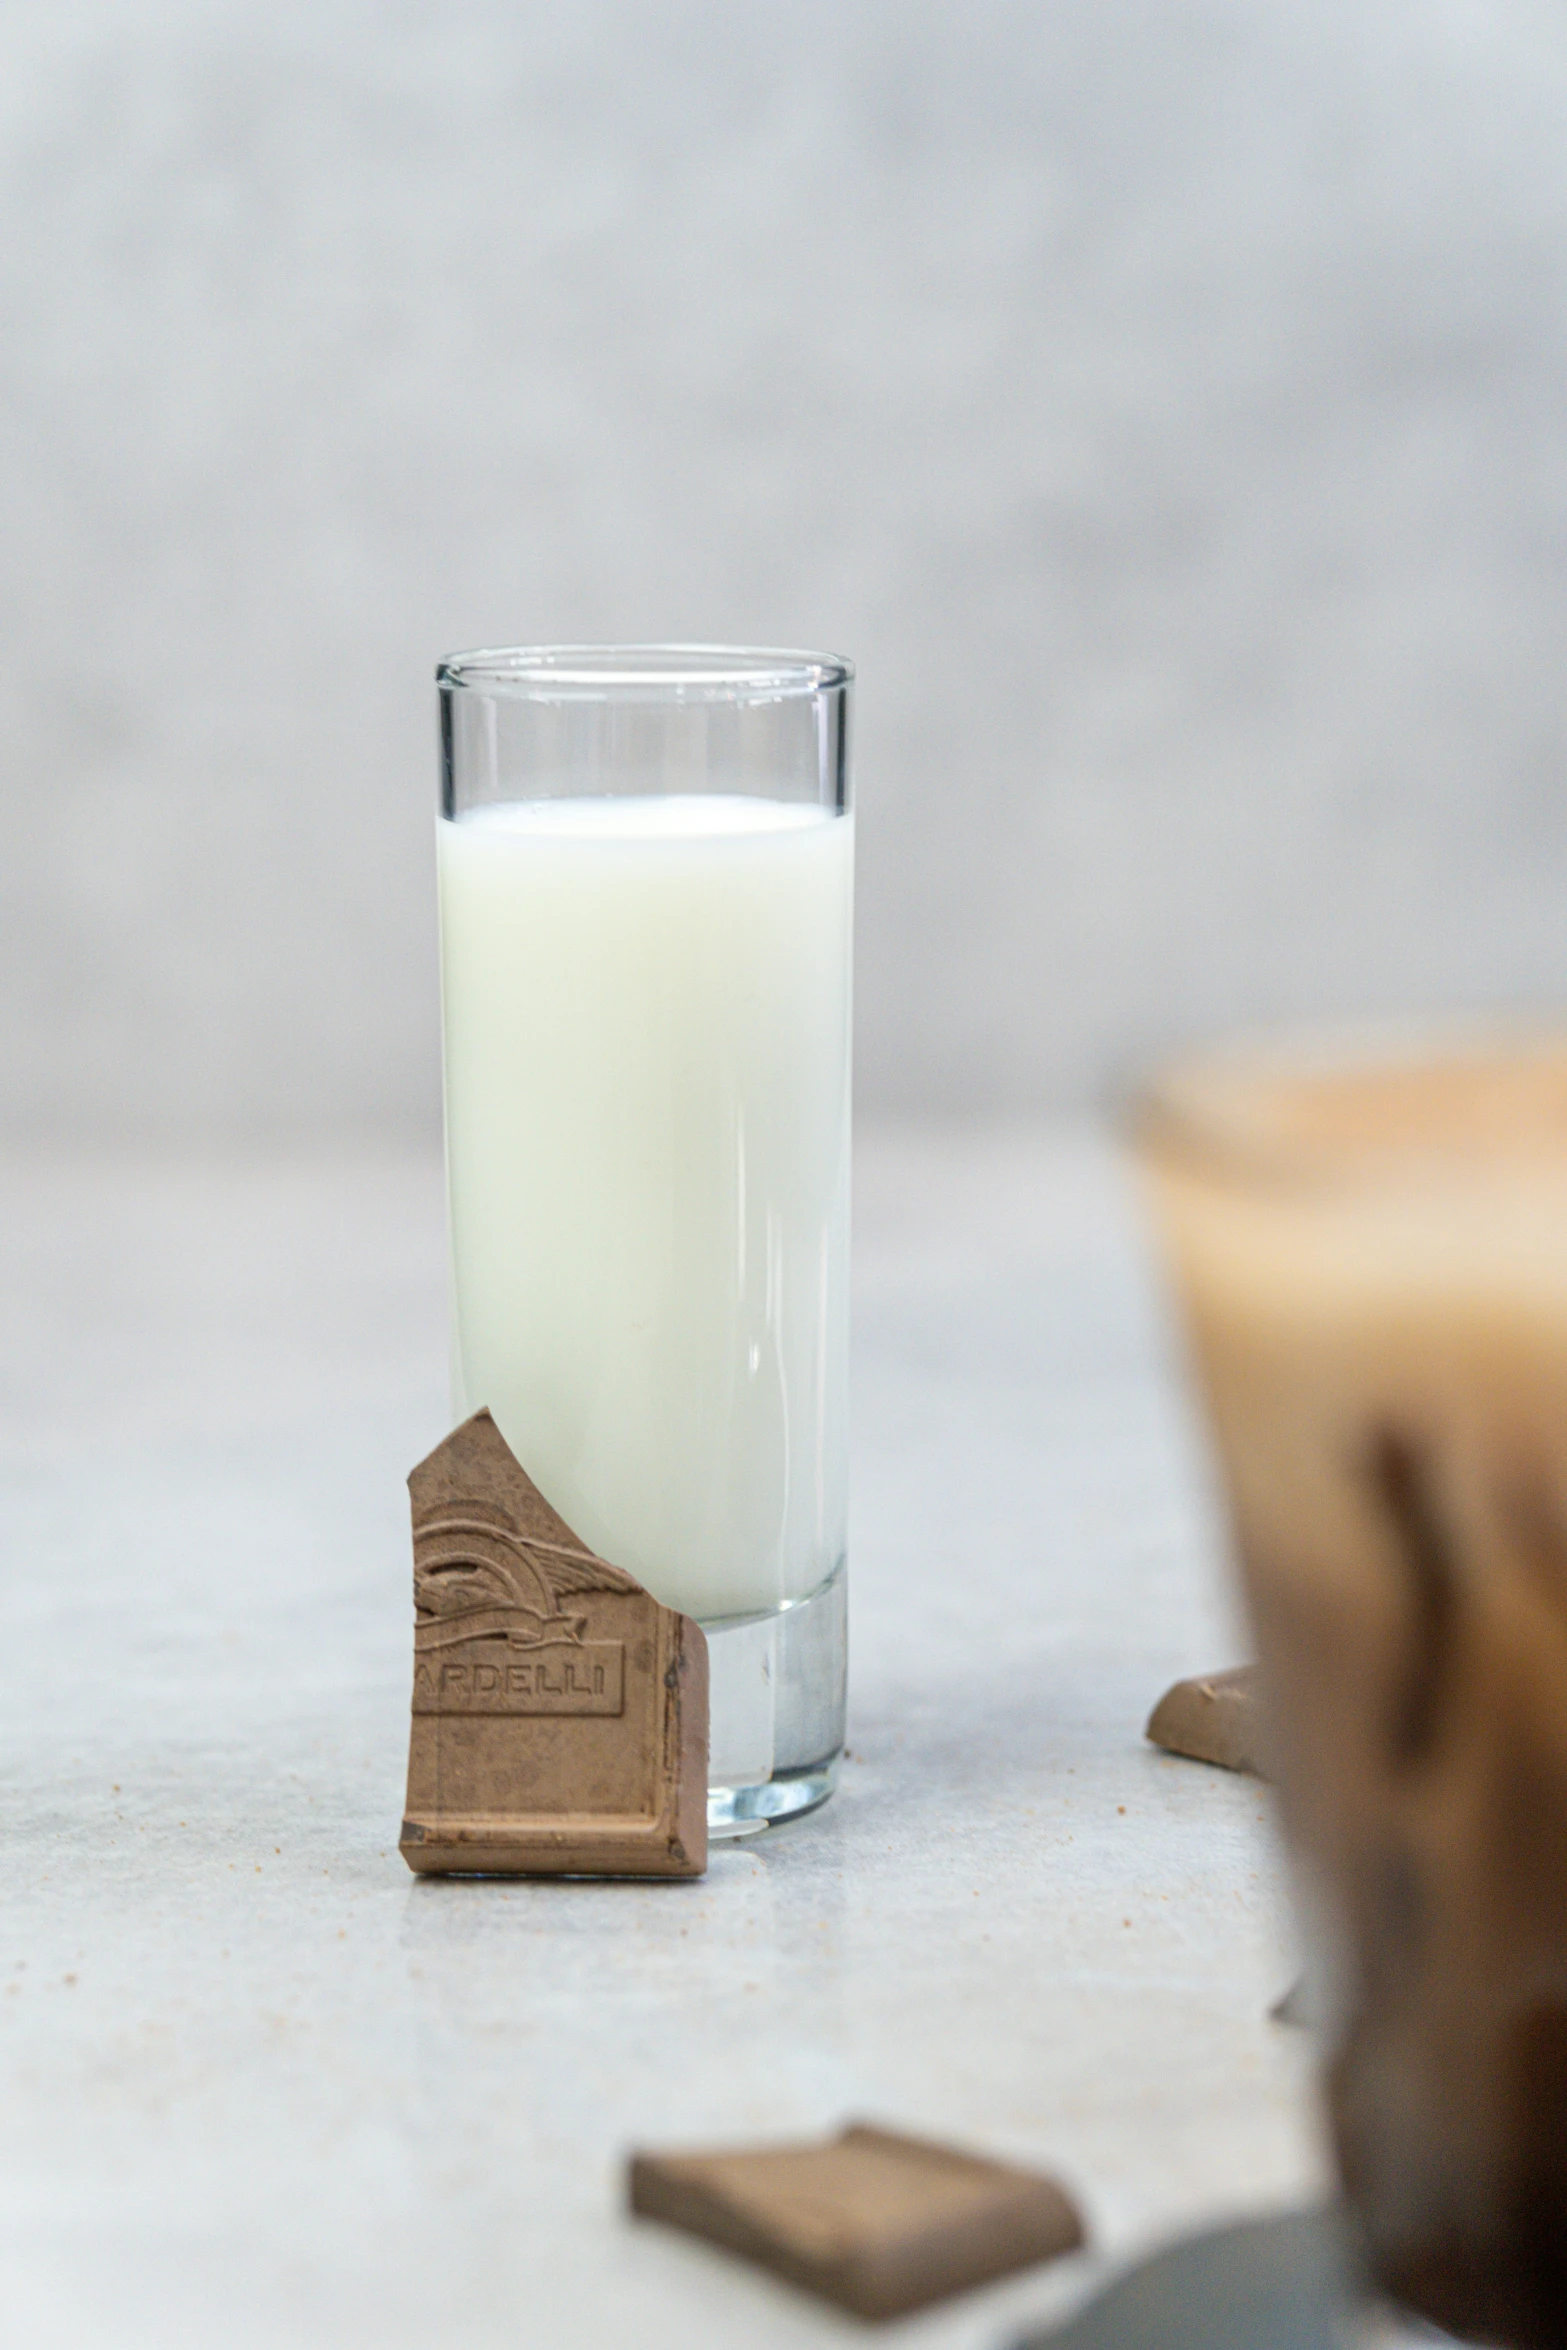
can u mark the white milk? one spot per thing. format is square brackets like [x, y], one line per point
[647, 1098]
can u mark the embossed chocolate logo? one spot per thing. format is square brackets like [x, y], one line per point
[559, 1712]
[494, 1632]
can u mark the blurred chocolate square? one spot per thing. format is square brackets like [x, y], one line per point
[875, 2221]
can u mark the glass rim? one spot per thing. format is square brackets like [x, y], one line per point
[669, 675]
[1246, 1108]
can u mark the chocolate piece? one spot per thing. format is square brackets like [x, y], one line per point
[559, 1713]
[877, 2222]
[1215, 1719]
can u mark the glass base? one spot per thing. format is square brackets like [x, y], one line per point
[787, 1795]
[776, 1688]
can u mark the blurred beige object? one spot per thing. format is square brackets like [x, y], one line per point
[1371, 1248]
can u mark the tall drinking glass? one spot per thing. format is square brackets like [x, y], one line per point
[646, 860]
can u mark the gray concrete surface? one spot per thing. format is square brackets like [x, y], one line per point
[259, 2087]
[1161, 398]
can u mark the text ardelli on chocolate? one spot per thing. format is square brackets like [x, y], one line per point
[559, 1712]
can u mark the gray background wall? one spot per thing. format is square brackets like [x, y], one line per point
[1162, 399]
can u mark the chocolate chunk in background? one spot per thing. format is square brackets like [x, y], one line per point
[878, 2222]
[559, 1712]
[1214, 1719]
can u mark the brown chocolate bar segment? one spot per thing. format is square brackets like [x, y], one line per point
[1215, 1719]
[559, 1712]
[878, 2222]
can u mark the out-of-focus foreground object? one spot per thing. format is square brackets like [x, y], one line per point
[1271, 2284]
[871, 2219]
[1215, 1718]
[1371, 1245]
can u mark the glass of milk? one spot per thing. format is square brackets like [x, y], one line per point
[646, 861]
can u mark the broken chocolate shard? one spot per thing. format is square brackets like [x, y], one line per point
[559, 1712]
[875, 2221]
[1215, 1719]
